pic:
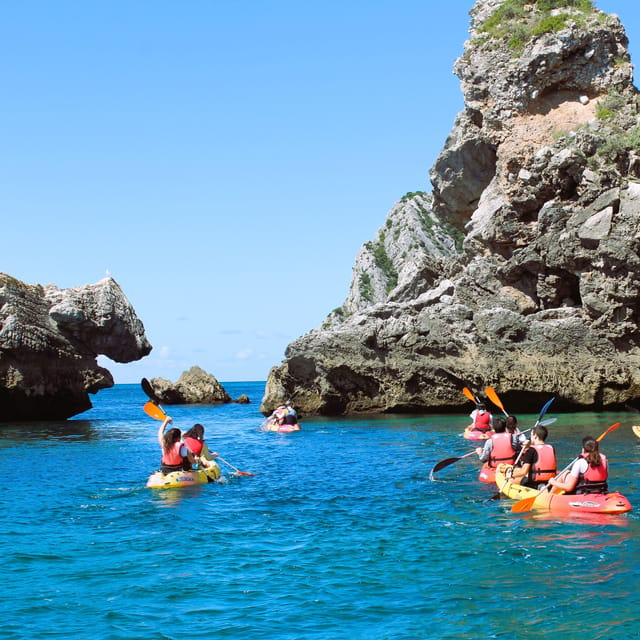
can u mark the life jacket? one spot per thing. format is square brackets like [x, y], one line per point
[545, 466]
[172, 457]
[194, 445]
[482, 421]
[501, 449]
[594, 479]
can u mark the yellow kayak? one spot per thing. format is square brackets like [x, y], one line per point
[176, 479]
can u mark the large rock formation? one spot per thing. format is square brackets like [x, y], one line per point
[49, 341]
[194, 386]
[520, 270]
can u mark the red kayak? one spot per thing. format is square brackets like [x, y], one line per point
[487, 473]
[476, 434]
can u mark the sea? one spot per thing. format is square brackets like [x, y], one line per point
[340, 533]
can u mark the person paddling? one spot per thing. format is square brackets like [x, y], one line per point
[481, 419]
[499, 447]
[175, 455]
[588, 474]
[194, 440]
[538, 463]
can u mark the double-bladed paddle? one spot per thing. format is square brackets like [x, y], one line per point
[526, 503]
[469, 394]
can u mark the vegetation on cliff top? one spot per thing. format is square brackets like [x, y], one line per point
[518, 21]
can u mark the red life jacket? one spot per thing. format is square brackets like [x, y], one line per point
[545, 466]
[482, 421]
[501, 449]
[172, 457]
[594, 479]
[194, 445]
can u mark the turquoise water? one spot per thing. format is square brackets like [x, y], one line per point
[340, 534]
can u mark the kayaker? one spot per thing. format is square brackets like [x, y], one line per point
[194, 440]
[175, 455]
[481, 419]
[517, 437]
[498, 448]
[538, 462]
[290, 415]
[588, 474]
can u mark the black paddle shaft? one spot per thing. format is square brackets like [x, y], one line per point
[148, 389]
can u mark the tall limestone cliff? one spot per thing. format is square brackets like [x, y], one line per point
[521, 269]
[49, 340]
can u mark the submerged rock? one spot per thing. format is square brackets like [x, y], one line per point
[520, 270]
[49, 341]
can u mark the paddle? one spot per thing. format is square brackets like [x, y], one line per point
[526, 503]
[493, 396]
[148, 389]
[636, 430]
[467, 392]
[238, 472]
[153, 410]
[445, 463]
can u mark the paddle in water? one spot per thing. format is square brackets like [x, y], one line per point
[236, 470]
[527, 503]
[445, 463]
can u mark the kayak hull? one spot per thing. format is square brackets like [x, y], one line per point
[272, 425]
[607, 503]
[487, 474]
[179, 479]
[474, 434]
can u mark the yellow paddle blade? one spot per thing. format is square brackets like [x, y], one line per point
[636, 430]
[153, 410]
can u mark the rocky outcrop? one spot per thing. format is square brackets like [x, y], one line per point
[520, 270]
[49, 341]
[194, 386]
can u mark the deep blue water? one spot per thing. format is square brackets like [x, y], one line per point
[340, 534]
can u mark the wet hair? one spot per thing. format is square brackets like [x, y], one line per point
[196, 432]
[171, 437]
[511, 423]
[499, 424]
[590, 447]
[541, 431]
[481, 405]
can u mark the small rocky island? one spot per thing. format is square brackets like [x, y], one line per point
[194, 386]
[521, 268]
[50, 339]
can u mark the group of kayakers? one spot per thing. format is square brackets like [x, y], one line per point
[533, 460]
[183, 451]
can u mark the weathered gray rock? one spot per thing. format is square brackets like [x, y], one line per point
[49, 341]
[194, 386]
[521, 270]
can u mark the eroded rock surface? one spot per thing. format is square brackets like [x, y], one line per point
[50, 339]
[194, 386]
[521, 269]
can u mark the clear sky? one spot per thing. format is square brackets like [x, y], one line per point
[224, 161]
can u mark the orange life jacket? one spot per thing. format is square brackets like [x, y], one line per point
[501, 449]
[544, 468]
[172, 457]
[594, 479]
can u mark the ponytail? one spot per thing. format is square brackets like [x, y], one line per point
[592, 455]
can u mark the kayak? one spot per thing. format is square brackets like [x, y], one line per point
[177, 479]
[487, 473]
[475, 434]
[608, 503]
[272, 425]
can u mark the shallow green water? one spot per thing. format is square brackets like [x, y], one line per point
[341, 533]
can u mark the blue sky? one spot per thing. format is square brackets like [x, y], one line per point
[224, 161]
